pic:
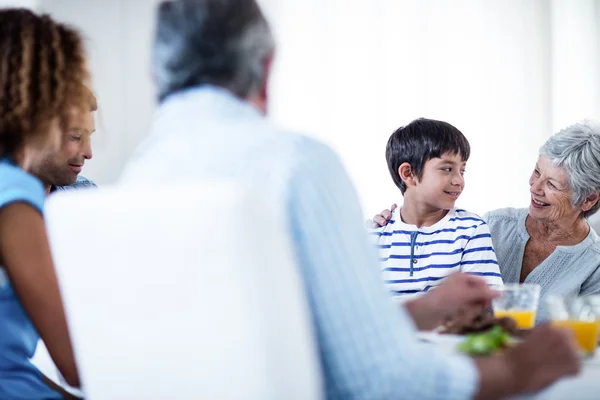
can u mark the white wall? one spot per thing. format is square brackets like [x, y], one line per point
[507, 73]
[575, 60]
[353, 74]
[33, 4]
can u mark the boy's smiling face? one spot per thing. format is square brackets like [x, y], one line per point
[441, 182]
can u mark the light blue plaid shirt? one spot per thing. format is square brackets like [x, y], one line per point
[81, 183]
[368, 348]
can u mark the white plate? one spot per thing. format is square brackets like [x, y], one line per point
[434, 337]
[445, 341]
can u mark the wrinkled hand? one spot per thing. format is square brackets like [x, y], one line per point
[382, 219]
[547, 354]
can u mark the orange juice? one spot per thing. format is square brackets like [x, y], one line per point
[586, 333]
[524, 319]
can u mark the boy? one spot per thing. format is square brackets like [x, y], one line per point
[428, 238]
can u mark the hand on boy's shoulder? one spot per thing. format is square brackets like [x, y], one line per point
[380, 220]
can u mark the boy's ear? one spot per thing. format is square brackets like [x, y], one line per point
[405, 172]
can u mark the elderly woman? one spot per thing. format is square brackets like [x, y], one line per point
[550, 243]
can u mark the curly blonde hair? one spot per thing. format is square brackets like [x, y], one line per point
[43, 74]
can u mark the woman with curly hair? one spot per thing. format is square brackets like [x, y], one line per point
[43, 76]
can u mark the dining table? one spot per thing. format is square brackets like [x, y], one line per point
[584, 386]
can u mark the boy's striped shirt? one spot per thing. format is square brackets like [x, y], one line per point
[414, 260]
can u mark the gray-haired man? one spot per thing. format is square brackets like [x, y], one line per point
[211, 62]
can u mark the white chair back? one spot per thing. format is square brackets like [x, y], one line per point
[182, 292]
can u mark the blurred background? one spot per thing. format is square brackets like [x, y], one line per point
[507, 73]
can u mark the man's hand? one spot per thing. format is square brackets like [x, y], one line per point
[546, 355]
[459, 297]
[382, 219]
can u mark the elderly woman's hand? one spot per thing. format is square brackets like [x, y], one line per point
[381, 219]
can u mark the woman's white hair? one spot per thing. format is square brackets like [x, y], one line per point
[577, 150]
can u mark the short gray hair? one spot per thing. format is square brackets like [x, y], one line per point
[224, 43]
[577, 150]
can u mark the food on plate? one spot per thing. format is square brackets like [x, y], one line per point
[485, 343]
[481, 323]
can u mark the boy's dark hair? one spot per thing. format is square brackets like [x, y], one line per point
[419, 142]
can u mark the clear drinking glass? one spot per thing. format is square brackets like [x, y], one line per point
[519, 302]
[594, 302]
[579, 315]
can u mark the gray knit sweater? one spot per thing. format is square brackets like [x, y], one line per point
[568, 270]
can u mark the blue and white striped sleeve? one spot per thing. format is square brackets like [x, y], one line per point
[479, 258]
[367, 344]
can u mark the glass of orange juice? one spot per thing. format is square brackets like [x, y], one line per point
[519, 302]
[577, 315]
[594, 302]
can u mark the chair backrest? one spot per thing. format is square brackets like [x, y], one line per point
[182, 292]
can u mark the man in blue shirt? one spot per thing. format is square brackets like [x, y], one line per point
[211, 63]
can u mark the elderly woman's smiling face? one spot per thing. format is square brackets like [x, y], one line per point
[551, 195]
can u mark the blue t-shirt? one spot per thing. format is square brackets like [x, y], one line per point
[19, 379]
